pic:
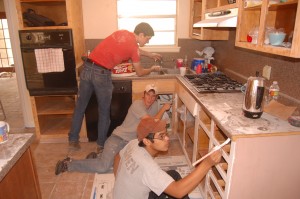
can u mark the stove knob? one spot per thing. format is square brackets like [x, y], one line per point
[29, 37]
[122, 88]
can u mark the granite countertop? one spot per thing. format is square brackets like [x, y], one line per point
[12, 150]
[226, 110]
[151, 76]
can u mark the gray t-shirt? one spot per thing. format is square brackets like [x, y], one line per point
[138, 174]
[127, 130]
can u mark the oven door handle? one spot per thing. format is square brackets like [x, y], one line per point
[29, 50]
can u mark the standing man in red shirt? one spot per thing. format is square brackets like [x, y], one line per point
[96, 76]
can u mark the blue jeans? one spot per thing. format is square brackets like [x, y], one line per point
[113, 145]
[93, 78]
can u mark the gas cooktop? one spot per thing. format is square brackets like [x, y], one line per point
[213, 83]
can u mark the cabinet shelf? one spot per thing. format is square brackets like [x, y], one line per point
[264, 17]
[53, 116]
[223, 7]
[55, 105]
[54, 10]
[218, 191]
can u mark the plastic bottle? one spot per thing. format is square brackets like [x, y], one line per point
[199, 69]
[274, 91]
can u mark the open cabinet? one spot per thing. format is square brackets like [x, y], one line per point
[266, 15]
[53, 117]
[198, 9]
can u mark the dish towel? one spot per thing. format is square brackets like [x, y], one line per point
[49, 60]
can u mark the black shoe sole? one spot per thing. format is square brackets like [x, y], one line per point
[57, 168]
[92, 155]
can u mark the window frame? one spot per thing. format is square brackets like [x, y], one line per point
[157, 48]
[9, 59]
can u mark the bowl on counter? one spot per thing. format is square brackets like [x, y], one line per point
[276, 38]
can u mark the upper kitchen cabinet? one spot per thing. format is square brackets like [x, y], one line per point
[66, 14]
[260, 22]
[61, 13]
[200, 10]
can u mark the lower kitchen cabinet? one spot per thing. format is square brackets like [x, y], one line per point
[256, 166]
[21, 181]
[53, 117]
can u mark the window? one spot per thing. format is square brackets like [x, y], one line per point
[6, 55]
[160, 14]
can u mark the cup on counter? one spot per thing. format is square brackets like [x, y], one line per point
[4, 129]
[196, 62]
[182, 71]
[179, 63]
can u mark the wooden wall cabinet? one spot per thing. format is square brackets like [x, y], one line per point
[267, 15]
[67, 14]
[198, 8]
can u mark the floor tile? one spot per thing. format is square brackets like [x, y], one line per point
[68, 185]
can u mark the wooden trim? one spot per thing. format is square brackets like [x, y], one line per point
[2, 15]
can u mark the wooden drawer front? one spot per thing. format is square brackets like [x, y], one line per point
[163, 85]
[188, 101]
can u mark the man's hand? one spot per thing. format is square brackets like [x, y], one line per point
[156, 56]
[214, 158]
[155, 68]
[167, 106]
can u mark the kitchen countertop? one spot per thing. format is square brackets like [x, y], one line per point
[226, 110]
[12, 150]
[151, 76]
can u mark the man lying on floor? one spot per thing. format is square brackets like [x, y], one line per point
[139, 176]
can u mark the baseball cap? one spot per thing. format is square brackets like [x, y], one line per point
[150, 125]
[151, 87]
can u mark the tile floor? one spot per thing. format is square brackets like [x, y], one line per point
[68, 185]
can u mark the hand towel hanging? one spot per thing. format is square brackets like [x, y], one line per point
[49, 60]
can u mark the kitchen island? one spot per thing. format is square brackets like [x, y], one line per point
[18, 178]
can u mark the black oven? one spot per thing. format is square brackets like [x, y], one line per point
[51, 83]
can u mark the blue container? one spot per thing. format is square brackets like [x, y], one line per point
[196, 62]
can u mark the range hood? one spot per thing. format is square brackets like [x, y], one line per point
[225, 18]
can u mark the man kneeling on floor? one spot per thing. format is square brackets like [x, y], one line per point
[139, 109]
[137, 173]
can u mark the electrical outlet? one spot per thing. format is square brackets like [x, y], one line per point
[267, 72]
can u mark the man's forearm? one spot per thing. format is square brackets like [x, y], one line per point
[145, 53]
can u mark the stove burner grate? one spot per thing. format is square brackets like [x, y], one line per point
[213, 83]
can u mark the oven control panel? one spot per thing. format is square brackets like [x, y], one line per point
[45, 38]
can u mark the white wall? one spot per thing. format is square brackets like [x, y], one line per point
[100, 18]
